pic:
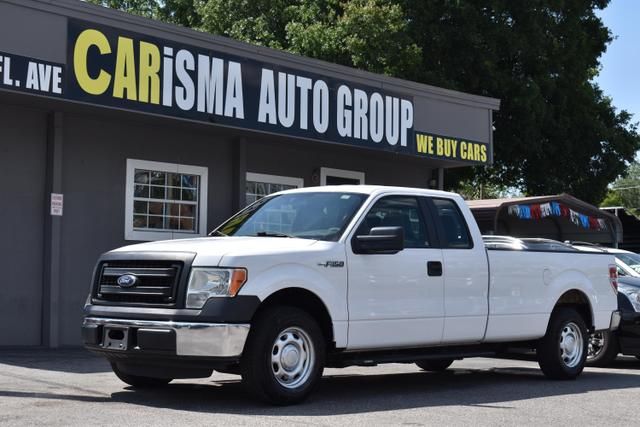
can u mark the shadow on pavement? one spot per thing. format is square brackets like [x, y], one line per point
[352, 394]
[336, 394]
[73, 359]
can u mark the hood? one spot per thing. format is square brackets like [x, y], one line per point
[210, 250]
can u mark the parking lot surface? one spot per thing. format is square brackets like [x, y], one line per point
[73, 387]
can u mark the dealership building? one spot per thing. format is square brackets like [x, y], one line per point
[115, 129]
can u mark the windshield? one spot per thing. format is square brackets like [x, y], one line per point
[631, 260]
[319, 216]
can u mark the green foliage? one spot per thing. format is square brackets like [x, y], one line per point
[179, 12]
[625, 191]
[555, 131]
[367, 34]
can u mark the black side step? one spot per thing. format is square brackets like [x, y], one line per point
[371, 358]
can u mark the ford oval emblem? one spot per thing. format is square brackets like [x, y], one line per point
[127, 280]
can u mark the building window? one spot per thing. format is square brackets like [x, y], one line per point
[260, 185]
[165, 200]
[329, 176]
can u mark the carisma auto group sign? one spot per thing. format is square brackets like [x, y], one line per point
[122, 69]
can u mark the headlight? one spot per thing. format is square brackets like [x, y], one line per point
[632, 293]
[205, 283]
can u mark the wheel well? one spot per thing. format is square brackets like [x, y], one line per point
[304, 300]
[578, 300]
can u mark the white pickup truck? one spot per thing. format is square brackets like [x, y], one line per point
[338, 276]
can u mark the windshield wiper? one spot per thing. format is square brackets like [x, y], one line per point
[218, 233]
[271, 234]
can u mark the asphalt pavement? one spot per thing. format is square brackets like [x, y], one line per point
[72, 387]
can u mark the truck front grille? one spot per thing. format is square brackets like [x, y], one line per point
[156, 282]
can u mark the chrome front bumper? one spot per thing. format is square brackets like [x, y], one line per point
[192, 339]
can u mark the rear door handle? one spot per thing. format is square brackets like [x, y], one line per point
[434, 268]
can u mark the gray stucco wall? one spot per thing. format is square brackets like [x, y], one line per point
[303, 158]
[22, 206]
[94, 164]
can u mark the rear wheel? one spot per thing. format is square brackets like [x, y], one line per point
[139, 381]
[435, 365]
[284, 356]
[562, 352]
[603, 348]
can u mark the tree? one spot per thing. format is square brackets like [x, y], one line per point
[555, 131]
[625, 190]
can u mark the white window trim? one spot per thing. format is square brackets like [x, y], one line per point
[144, 235]
[340, 173]
[275, 179]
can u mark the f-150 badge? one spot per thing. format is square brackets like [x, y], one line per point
[331, 264]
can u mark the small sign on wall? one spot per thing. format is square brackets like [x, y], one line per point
[57, 203]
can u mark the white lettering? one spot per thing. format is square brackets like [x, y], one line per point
[44, 73]
[376, 117]
[32, 77]
[286, 99]
[185, 95]
[406, 120]
[57, 80]
[210, 75]
[6, 75]
[234, 101]
[267, 103]
[392, 116]
[304, 84]
[320, 106]
[360, 108]
[344, 114]
[167, 77]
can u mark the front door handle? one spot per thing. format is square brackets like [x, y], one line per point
[434, 268]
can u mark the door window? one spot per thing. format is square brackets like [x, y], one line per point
[454, 227]
[398, 211]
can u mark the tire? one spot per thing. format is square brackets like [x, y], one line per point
[562, 352]
[603, 348]
[435, 365]
[283, 340]
[139, 381]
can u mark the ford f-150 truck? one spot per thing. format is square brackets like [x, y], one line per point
[337, 276]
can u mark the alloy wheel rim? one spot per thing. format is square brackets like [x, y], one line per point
[292, 357]
[571, 345]
[596, 345]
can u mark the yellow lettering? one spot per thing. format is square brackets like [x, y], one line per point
[483, 154]
[421, 142]
[439, 146]
[430, 144]
[454, 147]
[149, 69]
[476, 152]
[125, 74]
[86, 39]
[463, 150]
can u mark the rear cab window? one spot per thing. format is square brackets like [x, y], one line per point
[454, 232]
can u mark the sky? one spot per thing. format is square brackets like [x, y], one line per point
[620, 74]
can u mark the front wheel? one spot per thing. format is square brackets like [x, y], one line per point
[284, 356]
[562, 352]
[138, 381]
[603, 348]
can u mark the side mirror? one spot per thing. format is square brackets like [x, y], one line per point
[380, 240]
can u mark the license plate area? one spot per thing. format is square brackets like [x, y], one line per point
[115, 338]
